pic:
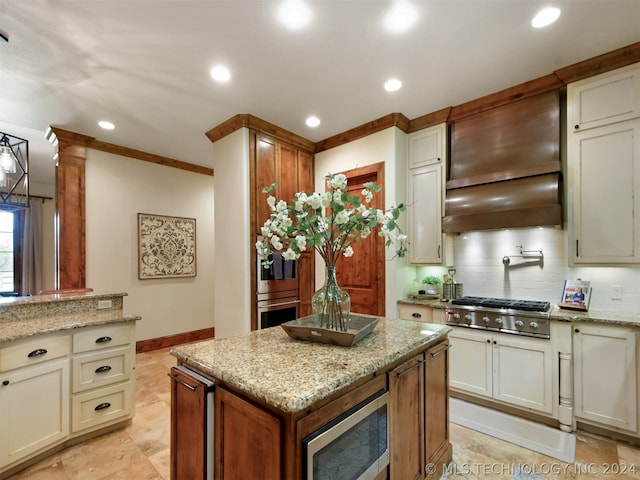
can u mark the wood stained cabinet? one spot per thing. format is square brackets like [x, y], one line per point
[248, 440]
[419, 426]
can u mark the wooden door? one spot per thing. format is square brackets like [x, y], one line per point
[362, 275]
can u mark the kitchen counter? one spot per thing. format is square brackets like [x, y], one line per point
[22, 317]
[557, 313]
[292, 375]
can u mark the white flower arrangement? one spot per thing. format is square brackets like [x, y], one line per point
[330, 222]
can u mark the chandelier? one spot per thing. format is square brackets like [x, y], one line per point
[14, 169]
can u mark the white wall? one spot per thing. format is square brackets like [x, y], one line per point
[232, 292]
[117, 189]
[478, 262]
[387, 146]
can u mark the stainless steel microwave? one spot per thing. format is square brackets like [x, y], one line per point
[354, 446]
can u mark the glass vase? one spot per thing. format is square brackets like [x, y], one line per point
[331, 304]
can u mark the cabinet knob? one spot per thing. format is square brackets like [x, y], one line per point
[577, 330]
[416, 315]
[576, 127]
[5, 382]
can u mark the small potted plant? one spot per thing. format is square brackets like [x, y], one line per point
[431, 283]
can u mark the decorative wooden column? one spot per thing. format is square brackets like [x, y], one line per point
[70, 217]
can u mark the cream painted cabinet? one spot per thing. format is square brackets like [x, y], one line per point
[606, 376]
[34, 396]
[514, 370]
[604, 168]
[418, 313]
[425, 187]
[103, 385]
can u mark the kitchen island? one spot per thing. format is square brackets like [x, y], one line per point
[271, 392]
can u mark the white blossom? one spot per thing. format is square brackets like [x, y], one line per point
[348, 252]
[315, 201]
[290, 255]
[338, 181]
[342, 217]
[367, 194]
[276, 242]
[301, 242]
[271, 201]
[281, 206]
[337, 197]
[326, 199]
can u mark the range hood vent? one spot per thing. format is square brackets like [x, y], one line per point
[505, 167]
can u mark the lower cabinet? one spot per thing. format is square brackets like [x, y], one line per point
[518, 371]
[418, 313]
[248, 440]
[606, 367]
[419, 418]
[34, 409]
[60, 385]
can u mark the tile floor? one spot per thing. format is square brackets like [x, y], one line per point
[141, 451]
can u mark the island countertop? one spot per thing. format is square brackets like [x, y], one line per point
[291, 374]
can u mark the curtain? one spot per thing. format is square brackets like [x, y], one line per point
[32, 248]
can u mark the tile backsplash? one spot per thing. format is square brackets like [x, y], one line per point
[479, 267]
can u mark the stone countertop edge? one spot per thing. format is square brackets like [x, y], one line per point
[564, 315]
[56, 297]
[19, 329]
[292, 375]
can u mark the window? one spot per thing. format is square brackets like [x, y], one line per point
[8, 283]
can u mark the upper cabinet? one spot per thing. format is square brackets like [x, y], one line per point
[603, 163]
[605, 99]
[425, 187]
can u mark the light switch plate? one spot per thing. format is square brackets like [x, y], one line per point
[105, 303]
[616, 292]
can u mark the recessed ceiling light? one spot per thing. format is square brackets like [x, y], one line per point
[400, 17]
[545, 17]
[220, 73]
[294, 14]
[312, 121]
[392, 85]
[106, 125]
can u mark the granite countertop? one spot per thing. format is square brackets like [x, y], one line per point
[292, 374]
[19, 329]
[557, 313]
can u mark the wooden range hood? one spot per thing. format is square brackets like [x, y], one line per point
[505, 168]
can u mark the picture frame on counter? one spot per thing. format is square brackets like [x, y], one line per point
[166, 246]
[576, 295]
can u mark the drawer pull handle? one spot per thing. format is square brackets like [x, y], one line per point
[416, 315]
[38, 352]
[102, 406]
[440, 352]
[104, 368]
[408, 370]
[190, 387]
[103, 340]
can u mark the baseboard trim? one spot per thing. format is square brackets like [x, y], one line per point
[171, 340]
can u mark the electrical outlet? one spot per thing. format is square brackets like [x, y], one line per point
[616, 292]
[105, 304]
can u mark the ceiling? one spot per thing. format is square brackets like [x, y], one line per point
[144, 64]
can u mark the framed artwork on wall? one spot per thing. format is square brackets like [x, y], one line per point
[166, 246]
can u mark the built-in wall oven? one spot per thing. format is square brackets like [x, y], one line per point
[278, 294]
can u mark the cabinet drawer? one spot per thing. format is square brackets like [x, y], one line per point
[100, 406]
[105, 336]
[417, 313]
[100, 369]
[34, 350]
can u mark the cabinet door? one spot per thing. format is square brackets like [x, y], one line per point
[191, 426]
[424, 208]
[604, 99]
[427, 146]
[34, 409]
[606, 194]
[436, 402]
[471, 364]
[406, 429]
[248, 440]
[605, 363]
[522, 373]
[266, 152]
[418, 313]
